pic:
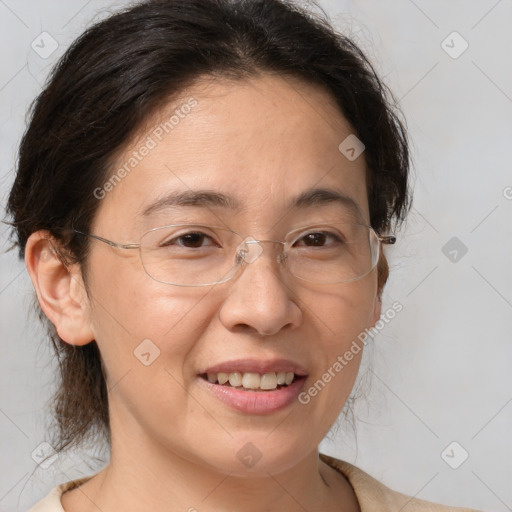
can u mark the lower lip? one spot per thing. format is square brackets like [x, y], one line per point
[256, 402]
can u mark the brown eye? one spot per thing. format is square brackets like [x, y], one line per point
[192, 240]
[315, 239]
[318, 239]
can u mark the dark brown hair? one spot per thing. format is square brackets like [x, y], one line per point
[119, 72]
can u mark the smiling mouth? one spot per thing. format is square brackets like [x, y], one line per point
[249, 381]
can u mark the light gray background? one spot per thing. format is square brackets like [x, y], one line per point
[441, 369]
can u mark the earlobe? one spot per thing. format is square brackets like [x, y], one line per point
[60, 289]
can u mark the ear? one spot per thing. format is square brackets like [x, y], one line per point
[382, 277]
[377, 309]
[60, 289]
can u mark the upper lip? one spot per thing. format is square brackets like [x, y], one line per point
[257, 366]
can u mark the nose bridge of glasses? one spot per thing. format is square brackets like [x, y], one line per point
[250, 249]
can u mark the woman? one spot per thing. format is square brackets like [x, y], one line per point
[202, 199]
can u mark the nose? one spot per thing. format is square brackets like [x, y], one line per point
[259, 299]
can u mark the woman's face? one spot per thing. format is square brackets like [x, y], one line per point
[261, 142]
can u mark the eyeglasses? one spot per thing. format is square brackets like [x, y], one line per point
[201, 255]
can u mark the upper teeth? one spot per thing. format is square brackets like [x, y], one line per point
[252, 380]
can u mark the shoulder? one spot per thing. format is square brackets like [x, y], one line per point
[51, 502]
[373, 496]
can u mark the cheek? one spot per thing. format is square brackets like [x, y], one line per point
[340, 316]
[131, 313]
[344, 312]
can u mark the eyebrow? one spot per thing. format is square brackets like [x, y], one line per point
[198, 198]
[323, 196]
[209, 198]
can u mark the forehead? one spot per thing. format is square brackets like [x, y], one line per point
[260, 141]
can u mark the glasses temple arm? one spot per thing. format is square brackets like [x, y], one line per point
[387, 239]
[109, 242]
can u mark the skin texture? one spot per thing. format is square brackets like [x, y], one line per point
[263, 141]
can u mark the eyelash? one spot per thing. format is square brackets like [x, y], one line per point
[170, 242]
[336, 238]
[327, 234]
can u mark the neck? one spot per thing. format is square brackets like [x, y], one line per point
[154, 479]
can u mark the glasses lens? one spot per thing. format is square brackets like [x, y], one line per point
[333, 253]
[198, 255]
[189, 255]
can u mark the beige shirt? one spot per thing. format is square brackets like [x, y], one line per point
[371, 494]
